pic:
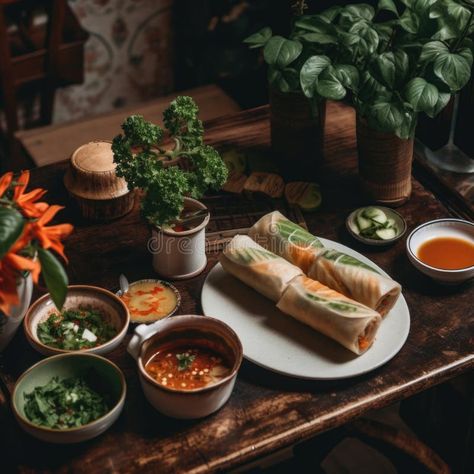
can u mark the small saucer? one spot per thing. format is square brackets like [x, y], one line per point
[400, 223]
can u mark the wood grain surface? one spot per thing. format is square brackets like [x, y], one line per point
[266, 412]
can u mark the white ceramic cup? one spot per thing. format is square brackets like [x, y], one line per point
[180, 255]
[178, 403]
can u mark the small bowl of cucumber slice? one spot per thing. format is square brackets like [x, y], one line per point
[376, 225]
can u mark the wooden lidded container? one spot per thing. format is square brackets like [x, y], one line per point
[92, 181]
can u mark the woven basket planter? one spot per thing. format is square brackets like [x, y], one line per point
[384, 165]
[297, 134]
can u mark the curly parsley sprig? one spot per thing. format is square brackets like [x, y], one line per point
[140, 155]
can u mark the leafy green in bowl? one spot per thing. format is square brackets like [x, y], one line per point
[76, 329]
[69, 398]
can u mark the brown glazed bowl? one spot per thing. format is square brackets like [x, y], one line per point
[113, 308]
[180, 403]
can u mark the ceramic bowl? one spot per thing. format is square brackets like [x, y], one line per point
[71, 365]
[440, 228]
[160, 282]
[79, 296]
[186, 404]
[390, 213]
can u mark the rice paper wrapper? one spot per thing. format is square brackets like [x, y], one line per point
[258, 268]
[355, 279]
[285, 238]
[346, 321]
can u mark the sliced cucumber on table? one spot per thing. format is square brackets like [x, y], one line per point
[305, 195]
[372, 223]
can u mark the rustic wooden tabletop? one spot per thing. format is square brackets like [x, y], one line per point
[266, 412]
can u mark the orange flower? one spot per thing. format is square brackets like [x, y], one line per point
[50, 237]
[27, 201]
[5, 182]
[10, 266]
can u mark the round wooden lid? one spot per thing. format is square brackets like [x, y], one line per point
[91, 174]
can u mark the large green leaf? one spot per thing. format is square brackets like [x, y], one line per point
[453, 69]
[443, 100]
[286, 79]
[387, 5]
[370, 89]
[259, 39]
[330, 14]
[310, 72]
[367, 38]
[452, 16]
[329, 86]
[390, 68]
[432, 50]
[280, 52]
[314, 23]
[361, 11]
[54, 276]
[410, 21]
[422, 95]
[11, 227]
[386, 116]
[348, 75]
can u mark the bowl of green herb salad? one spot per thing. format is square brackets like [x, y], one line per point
[91, 320]
[69, 398]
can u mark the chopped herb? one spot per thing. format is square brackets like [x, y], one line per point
[76, 329]
[63, 404]
[185, 360]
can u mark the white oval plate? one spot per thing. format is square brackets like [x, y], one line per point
[281, 344]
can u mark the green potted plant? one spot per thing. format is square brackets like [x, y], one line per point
[411, 62]
[172, 171]
[297, 126]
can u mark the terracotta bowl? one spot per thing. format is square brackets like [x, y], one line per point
[178, 403]
[77, 296]
[63, 366]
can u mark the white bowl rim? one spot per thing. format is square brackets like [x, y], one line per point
[120, 401]
[378, 242]
[237, 364]
[429, 223]
[33, 336]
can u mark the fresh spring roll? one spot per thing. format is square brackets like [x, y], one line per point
[356, 280]
[346, 321]
[339, 271]
[287, 239]
[260, 269]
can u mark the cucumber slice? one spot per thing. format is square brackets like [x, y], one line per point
[375, 214]
[305, 195]
[235, 161]
[362, 222]
[386, 234]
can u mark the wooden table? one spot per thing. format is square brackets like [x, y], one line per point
[266, 412]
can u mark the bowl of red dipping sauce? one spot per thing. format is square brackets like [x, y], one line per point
[187, 364]
[443, 249]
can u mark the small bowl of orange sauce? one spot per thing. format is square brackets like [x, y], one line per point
[150, 300]
[443, 249]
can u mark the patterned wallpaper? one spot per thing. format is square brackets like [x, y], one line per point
[128, 57]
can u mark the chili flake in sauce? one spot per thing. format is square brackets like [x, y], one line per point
[186, 367]
[149, 301]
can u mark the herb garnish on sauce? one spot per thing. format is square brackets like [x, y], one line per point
[63, 404]
[185, 360]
